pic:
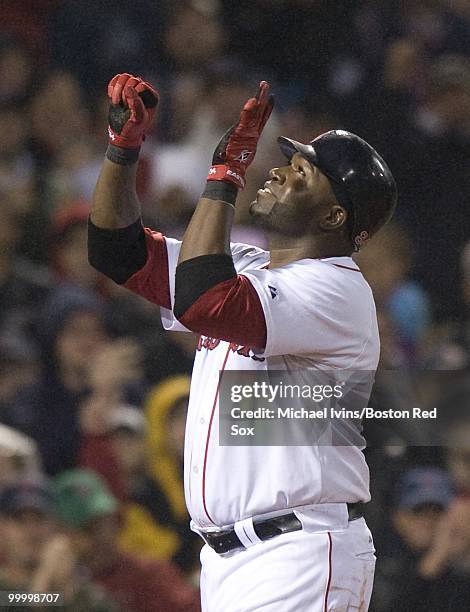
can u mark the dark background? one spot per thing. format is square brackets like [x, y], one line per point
[397, 73]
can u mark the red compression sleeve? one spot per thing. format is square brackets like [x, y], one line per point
[152, 280]
[231, 311]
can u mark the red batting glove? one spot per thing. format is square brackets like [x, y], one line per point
[237, 149]
[133, 105]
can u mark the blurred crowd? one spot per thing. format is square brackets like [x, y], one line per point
[93, 394]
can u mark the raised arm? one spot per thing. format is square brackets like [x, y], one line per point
[118, 245]
[133, 104]
[209, 230]
[115, 204]
[210, 298]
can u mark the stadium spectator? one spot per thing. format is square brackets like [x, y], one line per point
[107, 37]
[77, 378]
[139, 454]
[19, 367]
[451, 545]
[16, 72]
[67, 240]
[386, 264]
[402, 581]
[23, 286]
[71, 332]
[156, 520]
[19, 457]
[35, 556]
[452, 347]
[433, 192]
[89, 513]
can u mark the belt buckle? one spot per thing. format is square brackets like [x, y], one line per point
[206, 535]
[217, 541]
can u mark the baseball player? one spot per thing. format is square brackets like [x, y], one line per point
[283, 525]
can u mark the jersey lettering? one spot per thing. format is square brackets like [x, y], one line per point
[210, 344]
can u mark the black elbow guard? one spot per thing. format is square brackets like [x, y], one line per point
[196, 276]
[117, 253]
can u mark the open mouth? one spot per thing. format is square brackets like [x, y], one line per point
[266, 189]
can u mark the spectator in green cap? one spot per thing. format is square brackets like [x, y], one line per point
[89, 514]
[82, 497]
[35, 556]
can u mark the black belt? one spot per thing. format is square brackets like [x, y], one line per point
[227, 541]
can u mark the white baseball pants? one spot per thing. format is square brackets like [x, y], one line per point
[301, 571]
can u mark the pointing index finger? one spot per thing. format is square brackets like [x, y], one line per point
[263, 92]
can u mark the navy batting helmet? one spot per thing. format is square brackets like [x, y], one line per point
[360, 178]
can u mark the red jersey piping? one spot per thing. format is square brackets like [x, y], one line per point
[328, 584]
[347, 267]
[208, 438]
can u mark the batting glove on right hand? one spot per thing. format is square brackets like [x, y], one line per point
[133, 106]
[237, 149]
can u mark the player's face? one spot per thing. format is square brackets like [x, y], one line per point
[295, 200]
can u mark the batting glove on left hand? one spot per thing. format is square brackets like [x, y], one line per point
[133, 105]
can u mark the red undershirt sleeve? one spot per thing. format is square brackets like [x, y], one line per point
[152, 280]
[229, 311]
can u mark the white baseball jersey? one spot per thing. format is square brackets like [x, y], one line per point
[319, 314]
